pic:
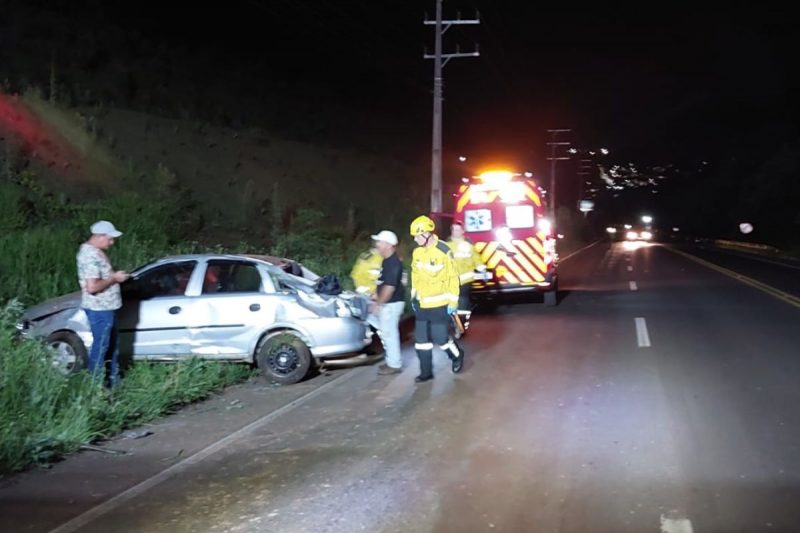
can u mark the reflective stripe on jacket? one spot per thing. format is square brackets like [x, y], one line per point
[434, 278]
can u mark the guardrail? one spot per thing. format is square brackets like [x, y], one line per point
[748, 246]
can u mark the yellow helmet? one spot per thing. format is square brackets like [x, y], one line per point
[422, 224]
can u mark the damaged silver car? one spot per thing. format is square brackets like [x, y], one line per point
[262, 310]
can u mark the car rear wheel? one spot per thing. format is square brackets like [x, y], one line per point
[283, 358]
[375, 347]
[69, 353]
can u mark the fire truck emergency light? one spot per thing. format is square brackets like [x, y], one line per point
[496, 178]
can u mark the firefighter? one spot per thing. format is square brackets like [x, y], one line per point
[366, 271]
[468, 260]
[434, 297]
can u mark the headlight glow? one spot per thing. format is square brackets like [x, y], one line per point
[544, 226]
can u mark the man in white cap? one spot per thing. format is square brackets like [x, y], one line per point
[389, 302]
[100, 296]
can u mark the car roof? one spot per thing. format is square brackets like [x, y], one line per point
[272, 260]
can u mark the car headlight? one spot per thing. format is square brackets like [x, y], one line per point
[631, 235]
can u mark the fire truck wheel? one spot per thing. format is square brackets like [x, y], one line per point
[487, 306]
[551, 298]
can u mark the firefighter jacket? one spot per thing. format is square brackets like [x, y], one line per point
[434, 278]
[467, 259]
[366, 272]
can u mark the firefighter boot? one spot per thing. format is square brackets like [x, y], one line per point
[425, 354]
[456, 355]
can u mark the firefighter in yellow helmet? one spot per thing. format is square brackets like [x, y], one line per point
[434, 297]
[366, 271]
[468, 260]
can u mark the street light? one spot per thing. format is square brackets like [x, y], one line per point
[462, 158]
[647, 219]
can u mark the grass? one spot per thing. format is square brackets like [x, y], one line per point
[46, 415]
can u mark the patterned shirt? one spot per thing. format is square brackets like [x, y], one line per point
[93, 264]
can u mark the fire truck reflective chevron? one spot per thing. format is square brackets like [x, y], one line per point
[521, 258]
[504, 215]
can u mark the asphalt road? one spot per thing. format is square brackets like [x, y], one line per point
[660, 395]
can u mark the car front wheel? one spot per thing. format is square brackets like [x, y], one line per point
[69, 353]
[283, 358]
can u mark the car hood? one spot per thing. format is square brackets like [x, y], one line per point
[53, 305]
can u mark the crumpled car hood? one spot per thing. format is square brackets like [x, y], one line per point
[329, 306]
[53, 305]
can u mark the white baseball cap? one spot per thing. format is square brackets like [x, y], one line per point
[104, 227]
[386, 236]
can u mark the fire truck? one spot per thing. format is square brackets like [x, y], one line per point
[504, 217]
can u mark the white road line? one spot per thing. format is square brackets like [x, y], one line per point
[630, 268]
[633, 286]
[641, 332]
[578, 251]
[676, 525]
[96, 512]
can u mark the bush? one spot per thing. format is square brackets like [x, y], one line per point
[321, 247]
[13, 211]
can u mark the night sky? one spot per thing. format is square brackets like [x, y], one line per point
[656, 86]
[651, 84]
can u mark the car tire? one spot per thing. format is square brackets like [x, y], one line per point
[70, 355]
[375, 347]
[487, 306]
[283, 358]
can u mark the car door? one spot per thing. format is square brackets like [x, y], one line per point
[156, 316]
[233, 309]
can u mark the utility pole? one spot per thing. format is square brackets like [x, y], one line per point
[551, 193]
[439, 61]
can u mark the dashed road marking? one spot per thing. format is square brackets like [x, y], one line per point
[676, 525]
[630, 268]
[633, 285]
[642, 337]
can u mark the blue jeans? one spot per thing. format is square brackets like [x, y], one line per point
[104, 343]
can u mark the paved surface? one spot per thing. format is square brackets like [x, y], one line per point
[666, 404]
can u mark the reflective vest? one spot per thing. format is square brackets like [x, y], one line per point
[434, 278]
[366, 272]
[467, 258]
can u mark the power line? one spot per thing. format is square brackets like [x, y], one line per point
[440, 59]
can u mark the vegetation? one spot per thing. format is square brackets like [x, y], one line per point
[46, 414]
[43, 414]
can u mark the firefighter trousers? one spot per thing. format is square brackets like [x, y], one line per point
[432, 328]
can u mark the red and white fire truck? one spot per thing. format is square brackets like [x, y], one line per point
[504, 217]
